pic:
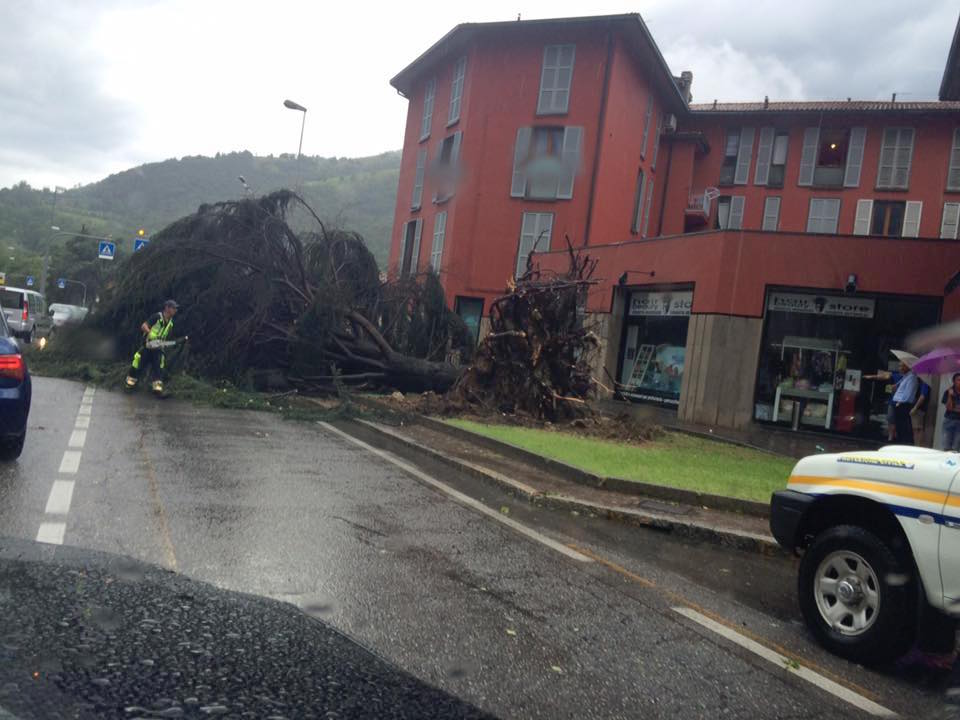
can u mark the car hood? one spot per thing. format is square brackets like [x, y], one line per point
[897, 464]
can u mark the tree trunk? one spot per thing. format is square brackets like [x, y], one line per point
[411, 374]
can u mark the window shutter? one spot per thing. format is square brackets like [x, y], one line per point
[831, 215]
[851, 174]
[436, 250]
[638, 203]
[808, 156]
[813, 214]
[764, 153]
[903, 157]
[518, 186]
[569, 161]
[646, 126]
[455, 151]
[427, 119]
[951, 220]
[649, 210]
[656, 142]
[456, 90]
[743, 156]
[541, 242]
[953, 174]
[403, 247]
[861, 224]
[771, 214]
[555, 79]
[911, 219]
[885, 169]
[736, 213]
[415, 255]
[417, 198]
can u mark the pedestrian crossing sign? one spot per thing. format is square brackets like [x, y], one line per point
[107, 250]
[140, 244]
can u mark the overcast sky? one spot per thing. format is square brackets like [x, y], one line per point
[91, 88]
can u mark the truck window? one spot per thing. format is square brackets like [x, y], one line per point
[11, 299]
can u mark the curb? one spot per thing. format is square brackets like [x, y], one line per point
[738, 539]
[582, 477]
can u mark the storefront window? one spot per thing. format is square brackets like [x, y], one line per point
[654, 345]
[816, 349]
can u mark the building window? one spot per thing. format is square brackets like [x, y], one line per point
[448, 159]
[471, 311]
[555, 79]
[771, 158]
[646, 126]
[456, 91]
[410, 247]
[824, 213]
[545, 162]
[534, 237]
[417, 198]
[771, 214]
[895, 157]
[953, 172]
[638, 204]
[656, 142]
[649, 210]
[886, 218]
[951, 220]
[736, 157]
[427, 119]
[730, 212]
[436, 250]
[832, 157]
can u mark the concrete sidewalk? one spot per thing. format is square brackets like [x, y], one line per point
[477, 458]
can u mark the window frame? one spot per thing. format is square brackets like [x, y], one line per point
[456, 90]
[898, 147]
[768, 214]
[439, 240]
[429, 98]
[535, 235]
[552, 107]
[953, 163]
[416, 200]
[835, 202]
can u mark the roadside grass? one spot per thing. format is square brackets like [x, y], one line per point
[676, 460]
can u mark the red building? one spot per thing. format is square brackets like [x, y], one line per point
[755, 259]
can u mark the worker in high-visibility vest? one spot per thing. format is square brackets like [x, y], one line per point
[156, 328]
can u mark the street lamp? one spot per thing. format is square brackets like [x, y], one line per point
[290, 104]
[243, 181]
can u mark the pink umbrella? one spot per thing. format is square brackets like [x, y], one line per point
[937, 362]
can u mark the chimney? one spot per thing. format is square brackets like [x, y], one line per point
[766, 101]
[686, 82]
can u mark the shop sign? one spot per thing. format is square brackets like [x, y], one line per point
[661, 303]
[835, 305]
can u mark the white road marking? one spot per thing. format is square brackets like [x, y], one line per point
[89, 391]
[462, 498]
[60, 496]
[783, 662]
[83, 422]
[86, 400]
[85, 409]
[77, 438]
[51, 532]
[71, 461]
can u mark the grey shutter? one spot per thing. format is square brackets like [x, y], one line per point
[455, 159]
[887, 152]
[646, 126]
[736, 213]
[656, 142]
[427, 120]
[436, 249]
[415, 255]
[518, 186]
[541, 242]
[861, 224]
[903, 157]
[456, 90]
[527, 230]
[808, 156]
[649, 210]
[638, 203]
[813, 216]
[403, 248]
[764, 153]
[569, 161]
[851, 174]
[831, 215]
[911, 219]
[417, 198]
[771, 214]
[951, 220]
[953, 174]
[744, 155]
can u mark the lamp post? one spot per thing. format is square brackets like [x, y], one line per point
[291, 105]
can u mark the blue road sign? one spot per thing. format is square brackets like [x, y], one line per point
[140, 244]
[29, 280]
[107, 250]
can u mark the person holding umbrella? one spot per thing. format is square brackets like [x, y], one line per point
[908, 396]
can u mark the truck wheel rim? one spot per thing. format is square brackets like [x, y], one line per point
[847, 592]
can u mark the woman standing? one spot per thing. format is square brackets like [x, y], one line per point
[951, 417]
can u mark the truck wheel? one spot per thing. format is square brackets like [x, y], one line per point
[28, 338]
[858, 595]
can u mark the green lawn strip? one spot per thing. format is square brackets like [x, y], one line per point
[677, 460]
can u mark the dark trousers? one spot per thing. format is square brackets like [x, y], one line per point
[149, 362]
[903, 423]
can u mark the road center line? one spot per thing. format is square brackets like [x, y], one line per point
[71, 461]
[85, 410]
[781, 661]
[83, 422]
[51, 532]
[77, 438]
[58, 503]
[461, 497]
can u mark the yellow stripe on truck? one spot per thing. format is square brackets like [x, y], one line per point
[930, 496]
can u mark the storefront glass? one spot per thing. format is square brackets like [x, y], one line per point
[816, 349]
[654, 343]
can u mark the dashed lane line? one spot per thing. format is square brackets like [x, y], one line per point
[461, 497]
[85, 409]
[70, 462]
[77, 439]
[51, 532]
[83, 422]
[58, 502]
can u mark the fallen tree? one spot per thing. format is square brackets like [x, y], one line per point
[261, 301]
[538, 355]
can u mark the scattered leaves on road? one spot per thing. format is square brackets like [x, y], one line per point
[556, 668]
[504, 509]
[511, 633]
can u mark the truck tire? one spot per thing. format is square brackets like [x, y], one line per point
[28, 338]
[858, 594]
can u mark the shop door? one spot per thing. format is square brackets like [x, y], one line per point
[470, 309]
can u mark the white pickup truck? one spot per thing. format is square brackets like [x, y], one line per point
[880, 537]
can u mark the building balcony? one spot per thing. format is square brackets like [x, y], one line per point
[699, 204]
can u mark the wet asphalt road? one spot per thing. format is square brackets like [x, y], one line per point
[504, 621]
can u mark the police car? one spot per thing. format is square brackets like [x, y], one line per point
[880, 536]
